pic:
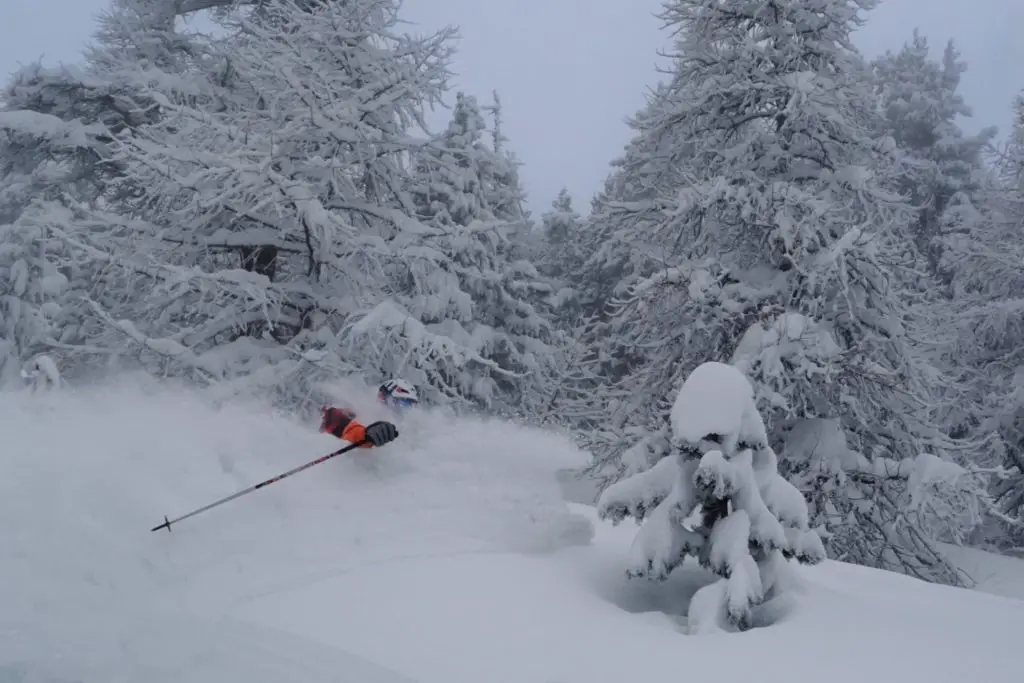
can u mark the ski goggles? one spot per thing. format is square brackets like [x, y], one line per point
[397, 401]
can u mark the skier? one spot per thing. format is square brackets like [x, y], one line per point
[342, 423]
[398, 394]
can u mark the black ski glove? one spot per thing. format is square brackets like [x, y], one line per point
[380, 433]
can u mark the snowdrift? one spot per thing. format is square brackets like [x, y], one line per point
[575, 618]
[88, 590]
[450, 558]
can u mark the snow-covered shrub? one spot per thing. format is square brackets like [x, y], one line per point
[41, 374]
[891, 509]
[719, 498]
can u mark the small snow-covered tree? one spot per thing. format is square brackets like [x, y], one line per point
[718, 498]
[561, 254]
[562, 222]
[41, 374]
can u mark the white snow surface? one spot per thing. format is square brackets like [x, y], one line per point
[445, 556]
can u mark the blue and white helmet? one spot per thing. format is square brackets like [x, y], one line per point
[398, 393]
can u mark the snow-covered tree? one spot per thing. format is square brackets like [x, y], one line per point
[762, 232]
[560, 252]
[458, 173]
[634, 200]
[471, 289]
[1012, 164]
[61, 180]
[982, 252]
[635, 197]
[960, 216]
[42, 157]
[263, 205]
[562, 222]
[503, 187]
[282, 225]
[941, 166]
[719, 498]
[257, 215]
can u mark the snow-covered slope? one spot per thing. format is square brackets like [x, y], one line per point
[448, 556]
[995, 574]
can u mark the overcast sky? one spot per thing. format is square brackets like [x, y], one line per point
[570, 71]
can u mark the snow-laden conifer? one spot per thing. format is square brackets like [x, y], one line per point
[719, 498]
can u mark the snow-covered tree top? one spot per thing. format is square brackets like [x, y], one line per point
[717, 399]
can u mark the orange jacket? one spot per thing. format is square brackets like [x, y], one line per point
[342, 424]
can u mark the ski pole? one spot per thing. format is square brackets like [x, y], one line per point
[168, 522]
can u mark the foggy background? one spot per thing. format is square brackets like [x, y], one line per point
[570, 71]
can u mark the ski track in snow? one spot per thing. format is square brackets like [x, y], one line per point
[448, 556]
